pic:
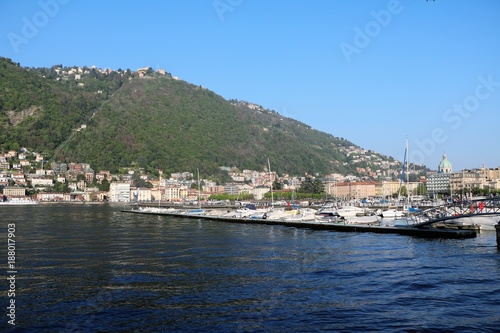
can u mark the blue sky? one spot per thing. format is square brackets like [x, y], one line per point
[372, 72]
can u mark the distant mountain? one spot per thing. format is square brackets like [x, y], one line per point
[114, 119]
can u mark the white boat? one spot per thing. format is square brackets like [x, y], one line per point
[282, 214]
[484, 222]
[302, 215]
[393, 213]
[332, 216]
[370, 220]
[328, 216]
[18, 201]
[197, 211]
[159, 210]
[351, 211]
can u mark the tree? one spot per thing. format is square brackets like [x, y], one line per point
[421, 189]
[104, 186]
[312, 186]
[60, 187]
[277, 185]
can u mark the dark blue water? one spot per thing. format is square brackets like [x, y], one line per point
[91, 268]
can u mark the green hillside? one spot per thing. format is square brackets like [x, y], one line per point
[118, 118]
[40, 112]
[170, 124]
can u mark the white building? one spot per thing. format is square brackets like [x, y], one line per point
[440, 182]
[41, 182]
[172, 193]
[119, 192]
[259, 191]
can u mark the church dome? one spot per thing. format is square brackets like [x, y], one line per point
[445, 165]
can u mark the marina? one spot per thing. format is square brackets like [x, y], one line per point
[426, 231]
[446, 221]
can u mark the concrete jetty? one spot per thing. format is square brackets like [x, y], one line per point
[425, 232]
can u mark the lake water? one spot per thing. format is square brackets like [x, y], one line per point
[93, 268]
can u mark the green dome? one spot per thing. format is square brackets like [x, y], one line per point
[445, 165]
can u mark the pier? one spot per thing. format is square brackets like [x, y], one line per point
[422, 231]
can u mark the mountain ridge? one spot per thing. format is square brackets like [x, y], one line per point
[157, 121]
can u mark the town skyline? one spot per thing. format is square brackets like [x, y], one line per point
[83, 183]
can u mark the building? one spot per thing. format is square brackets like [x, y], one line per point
[466, 181]
[18, 178]
[4, 180]
[14, 191]
[355, 190]
[259, 191]
[231, 189]
[439, 183]
[174, 193]
[103, 174]
[140, 194]
[119, 192]
[50, 196]
[445, 166]
[42, 182]
[387, 189]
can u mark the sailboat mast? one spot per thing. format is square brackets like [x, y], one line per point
[271, 181]
[199, 189]
[402, 170]
[407, 173]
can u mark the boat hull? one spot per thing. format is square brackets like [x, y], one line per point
[485, 222]
[19, 203]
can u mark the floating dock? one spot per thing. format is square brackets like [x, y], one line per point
[417, 231]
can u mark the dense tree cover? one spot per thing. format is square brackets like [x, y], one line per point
[173, 125]
[155, 123]
[40, 112]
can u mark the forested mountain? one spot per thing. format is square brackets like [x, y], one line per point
[153, 121]
[170, 124]
[40, 112]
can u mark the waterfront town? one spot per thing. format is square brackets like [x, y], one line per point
[23, 175]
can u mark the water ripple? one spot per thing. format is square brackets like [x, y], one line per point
[87, 268]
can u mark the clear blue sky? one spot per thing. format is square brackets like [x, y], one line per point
[372, 72]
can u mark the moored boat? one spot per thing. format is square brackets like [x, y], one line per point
[351, 211]
[18, 201]
[369, 219]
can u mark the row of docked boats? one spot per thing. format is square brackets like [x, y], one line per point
[292, 213]
[482, 215]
